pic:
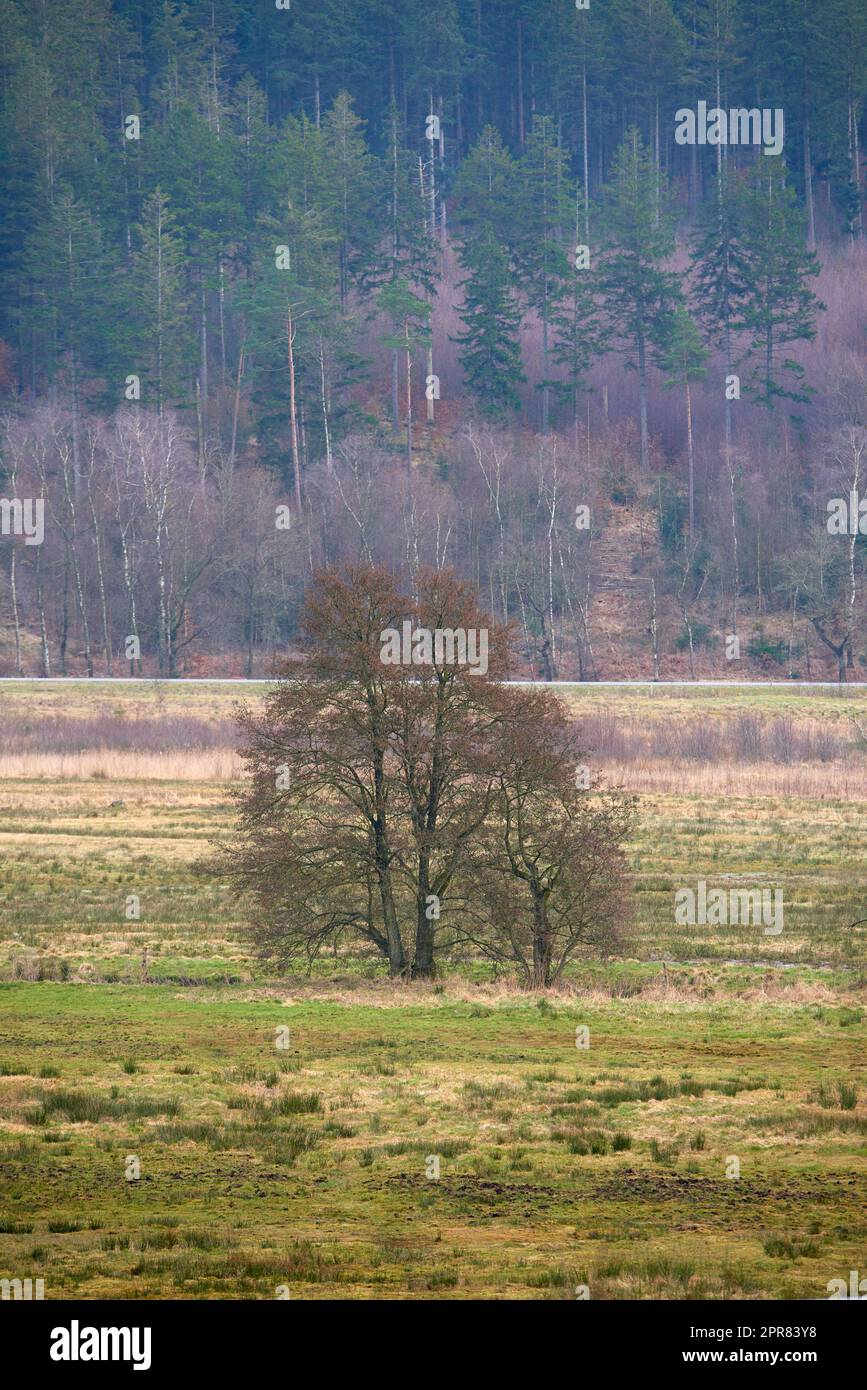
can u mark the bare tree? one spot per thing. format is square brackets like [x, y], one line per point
[551, 871]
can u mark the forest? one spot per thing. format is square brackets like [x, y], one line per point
[568, 298]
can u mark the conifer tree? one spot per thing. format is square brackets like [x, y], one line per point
[491, 356]
[778, 306]
[160, 300]
[485, 190]
[543, 215]
[578, 333]
[410, 316]
[356, 188]
[410, 257]
[718, 284]
[639, 238]
[287, 302]
[682, 357]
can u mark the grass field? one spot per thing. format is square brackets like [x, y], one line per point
[284, 1128]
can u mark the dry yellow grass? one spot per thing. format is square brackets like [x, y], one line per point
[112, 765]
[835, 781]
[829, 780]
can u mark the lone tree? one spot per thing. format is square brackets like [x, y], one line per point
[382, 768]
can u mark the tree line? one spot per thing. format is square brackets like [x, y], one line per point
[151, 564]
[228, 232]
[156, 157]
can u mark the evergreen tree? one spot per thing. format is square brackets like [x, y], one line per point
[579, 336]
[411, 253]
[410, 316]
[683, 358]
[491, 356]
[485, 190]
[639, 293]
[543, 216]
[357, 191]
[194, 166]
[162, 318]
[69, 311]
[254, 161]
[718, 274]
[837, 74]
[778, 306]
[291, 295]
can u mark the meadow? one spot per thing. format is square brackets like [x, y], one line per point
[711, 1142]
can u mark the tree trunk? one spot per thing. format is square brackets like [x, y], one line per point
[654, 630]
[203, 370]
[520, 47]
[408, 398]
[808, 182]
[736, 567]
[40, 604]
[431, 418]
[293, 411]
[541, 976]
[64, 620]
[324, 393]
[585, 146]
[423, 965]
[690, 454]
[642, 401]
[100, 578]
[236, 407]
[16, 617]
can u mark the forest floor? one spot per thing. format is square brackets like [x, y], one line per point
[284, 1129]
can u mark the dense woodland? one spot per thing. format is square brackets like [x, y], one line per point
[423, 286]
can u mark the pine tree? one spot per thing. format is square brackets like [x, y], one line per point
[716, 42]
[683, 358]
[292, 293]
[485, 190]
[639, 238]
[411, 255]
[491, 356]
[195, 168]
[543, 213]
[647, 50]
[718, 275]
[69, 310]
[162, 312]
[356, 184]
[254, 163]
[838, 41]
[410, 316]
[579, 336]
[778, 305]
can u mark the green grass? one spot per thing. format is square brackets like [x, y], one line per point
[339, 1161]
[312, 1168]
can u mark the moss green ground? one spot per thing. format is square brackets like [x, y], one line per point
[306, 1167]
